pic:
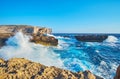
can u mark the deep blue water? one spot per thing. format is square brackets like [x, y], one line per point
[101, 58]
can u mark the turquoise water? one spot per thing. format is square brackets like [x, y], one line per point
[100, 58]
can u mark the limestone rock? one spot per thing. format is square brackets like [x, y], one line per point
[26, 29]
[20, 68]
[45, 40]
[38, 34]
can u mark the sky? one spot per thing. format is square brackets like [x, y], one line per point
[63, 16]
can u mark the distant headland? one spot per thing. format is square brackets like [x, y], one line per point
[39, 34]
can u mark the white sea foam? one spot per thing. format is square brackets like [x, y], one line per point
[111, 39]
[97, 51]
[75, 64]
[104, 70]
[19, 46]
[61, 43]
[50, 35]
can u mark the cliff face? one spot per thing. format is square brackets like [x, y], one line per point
[11, 29]
[19, 68]
[38, 34]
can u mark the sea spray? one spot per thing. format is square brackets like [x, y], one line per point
[111, 39]
[19, 46]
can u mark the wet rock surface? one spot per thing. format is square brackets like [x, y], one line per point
[45, 40]
[20, 68]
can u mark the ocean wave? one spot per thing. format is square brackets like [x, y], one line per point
[19, 46]
[112, 39]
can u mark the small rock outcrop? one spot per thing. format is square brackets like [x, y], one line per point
[91, 38]
[117, 76]
[39, 34]
[20, 68]
[45, 40]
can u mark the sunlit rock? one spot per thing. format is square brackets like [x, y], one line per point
[20, 68]
[37, 33]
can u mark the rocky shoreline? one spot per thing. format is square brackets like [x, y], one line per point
[39, 34]
[20, 68]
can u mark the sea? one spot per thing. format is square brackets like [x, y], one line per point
[101, 58]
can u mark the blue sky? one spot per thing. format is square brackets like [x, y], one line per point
[67, 16]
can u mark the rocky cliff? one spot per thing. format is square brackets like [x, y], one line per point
[26, 29]
[20, 68]
[38, 34]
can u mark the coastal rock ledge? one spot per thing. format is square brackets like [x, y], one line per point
[39, 34]
[20, 68]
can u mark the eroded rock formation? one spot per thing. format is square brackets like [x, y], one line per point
[20, 68]
[38, 34]
[11, 29]
[45, 40]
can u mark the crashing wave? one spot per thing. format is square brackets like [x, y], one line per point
[19, 46]
[111, 39]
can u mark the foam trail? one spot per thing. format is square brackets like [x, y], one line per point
[19, 46]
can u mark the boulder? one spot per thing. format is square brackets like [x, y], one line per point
[20, 68]
[45, 40]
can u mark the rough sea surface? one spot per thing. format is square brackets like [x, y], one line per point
[100, 58]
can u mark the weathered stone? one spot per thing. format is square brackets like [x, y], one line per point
[45, 40]
[38, 34]
[20, 68]
[11, 29]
